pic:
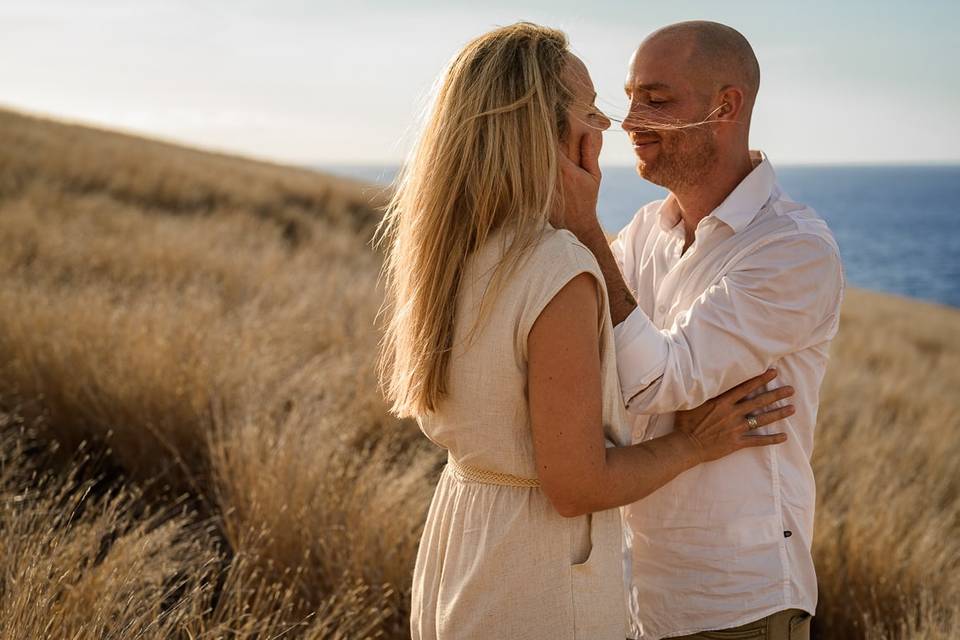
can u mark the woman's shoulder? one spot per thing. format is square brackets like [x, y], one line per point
[565, 238]
[556, 258]
[551, 255]
[560, 247]
[548, 244]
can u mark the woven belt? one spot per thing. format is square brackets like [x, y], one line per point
[485, 476]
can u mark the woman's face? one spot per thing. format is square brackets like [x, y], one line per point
[583, 117]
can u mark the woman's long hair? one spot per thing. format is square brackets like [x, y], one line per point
[486, 158]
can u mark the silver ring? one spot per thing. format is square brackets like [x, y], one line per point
[752, 422]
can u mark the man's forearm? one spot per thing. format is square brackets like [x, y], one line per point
[622, 302]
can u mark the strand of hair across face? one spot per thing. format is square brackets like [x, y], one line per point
[656, 122]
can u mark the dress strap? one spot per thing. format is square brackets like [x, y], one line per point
[485, 476]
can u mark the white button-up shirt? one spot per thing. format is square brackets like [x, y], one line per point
[727, 542]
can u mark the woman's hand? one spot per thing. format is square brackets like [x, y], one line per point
[722, 425]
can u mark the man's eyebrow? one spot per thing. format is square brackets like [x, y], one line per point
[651, 86]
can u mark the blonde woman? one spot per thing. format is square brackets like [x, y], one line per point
[499, 342]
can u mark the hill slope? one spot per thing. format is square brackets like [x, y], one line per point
[202, 326]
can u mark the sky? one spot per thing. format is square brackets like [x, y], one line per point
[320, 83]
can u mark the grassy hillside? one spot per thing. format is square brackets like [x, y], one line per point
[192, 444]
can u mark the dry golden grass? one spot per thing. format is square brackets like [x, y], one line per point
[887, 543]
[212, 356]
[195, 333]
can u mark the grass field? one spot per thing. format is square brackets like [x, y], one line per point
[192, 444]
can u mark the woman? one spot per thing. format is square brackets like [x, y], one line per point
[499, 342]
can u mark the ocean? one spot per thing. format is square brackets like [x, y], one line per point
[894, 224]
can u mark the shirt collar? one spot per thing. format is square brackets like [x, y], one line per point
[669, 212]
[741, 206]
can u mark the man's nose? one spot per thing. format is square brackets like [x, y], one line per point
[629, 122]
[638, 119]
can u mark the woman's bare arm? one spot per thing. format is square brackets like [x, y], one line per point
[578, 473]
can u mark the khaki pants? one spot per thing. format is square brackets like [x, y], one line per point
[791, 624]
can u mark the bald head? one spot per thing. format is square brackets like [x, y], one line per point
[692, 88]
[713, 53]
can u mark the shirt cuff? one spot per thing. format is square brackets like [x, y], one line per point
[641, 353]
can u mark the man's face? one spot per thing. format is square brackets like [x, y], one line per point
[665, 94]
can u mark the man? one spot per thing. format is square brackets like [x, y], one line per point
[738, 278]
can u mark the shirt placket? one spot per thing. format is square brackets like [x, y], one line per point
[680, 263]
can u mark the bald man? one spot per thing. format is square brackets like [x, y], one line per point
[725, 277]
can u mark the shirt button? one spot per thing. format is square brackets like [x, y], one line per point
[787, 533]
[662, 309]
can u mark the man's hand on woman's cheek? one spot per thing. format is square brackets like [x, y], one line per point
[581, 186]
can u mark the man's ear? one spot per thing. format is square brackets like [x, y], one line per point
[731, 104]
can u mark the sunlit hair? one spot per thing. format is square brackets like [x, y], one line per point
[651, 120]
[486, 158]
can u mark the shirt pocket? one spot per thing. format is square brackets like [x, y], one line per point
[596, 584]
[800, 626]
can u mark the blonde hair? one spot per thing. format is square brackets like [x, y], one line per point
[486, 158]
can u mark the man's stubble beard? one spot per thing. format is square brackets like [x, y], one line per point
[685, 158]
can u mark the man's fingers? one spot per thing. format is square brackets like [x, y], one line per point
[588, 162]
[590, 154]
[566, 163]
[765, 440]
[744, 389]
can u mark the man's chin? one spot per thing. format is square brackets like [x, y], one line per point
[647, 171]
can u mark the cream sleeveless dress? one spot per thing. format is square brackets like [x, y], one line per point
[496, 561]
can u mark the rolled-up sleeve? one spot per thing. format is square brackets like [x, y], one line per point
[642, 352]
[781, 297]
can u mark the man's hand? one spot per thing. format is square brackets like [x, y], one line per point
[580, 180]
[581, 186]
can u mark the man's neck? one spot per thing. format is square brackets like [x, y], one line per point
[697, 201]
